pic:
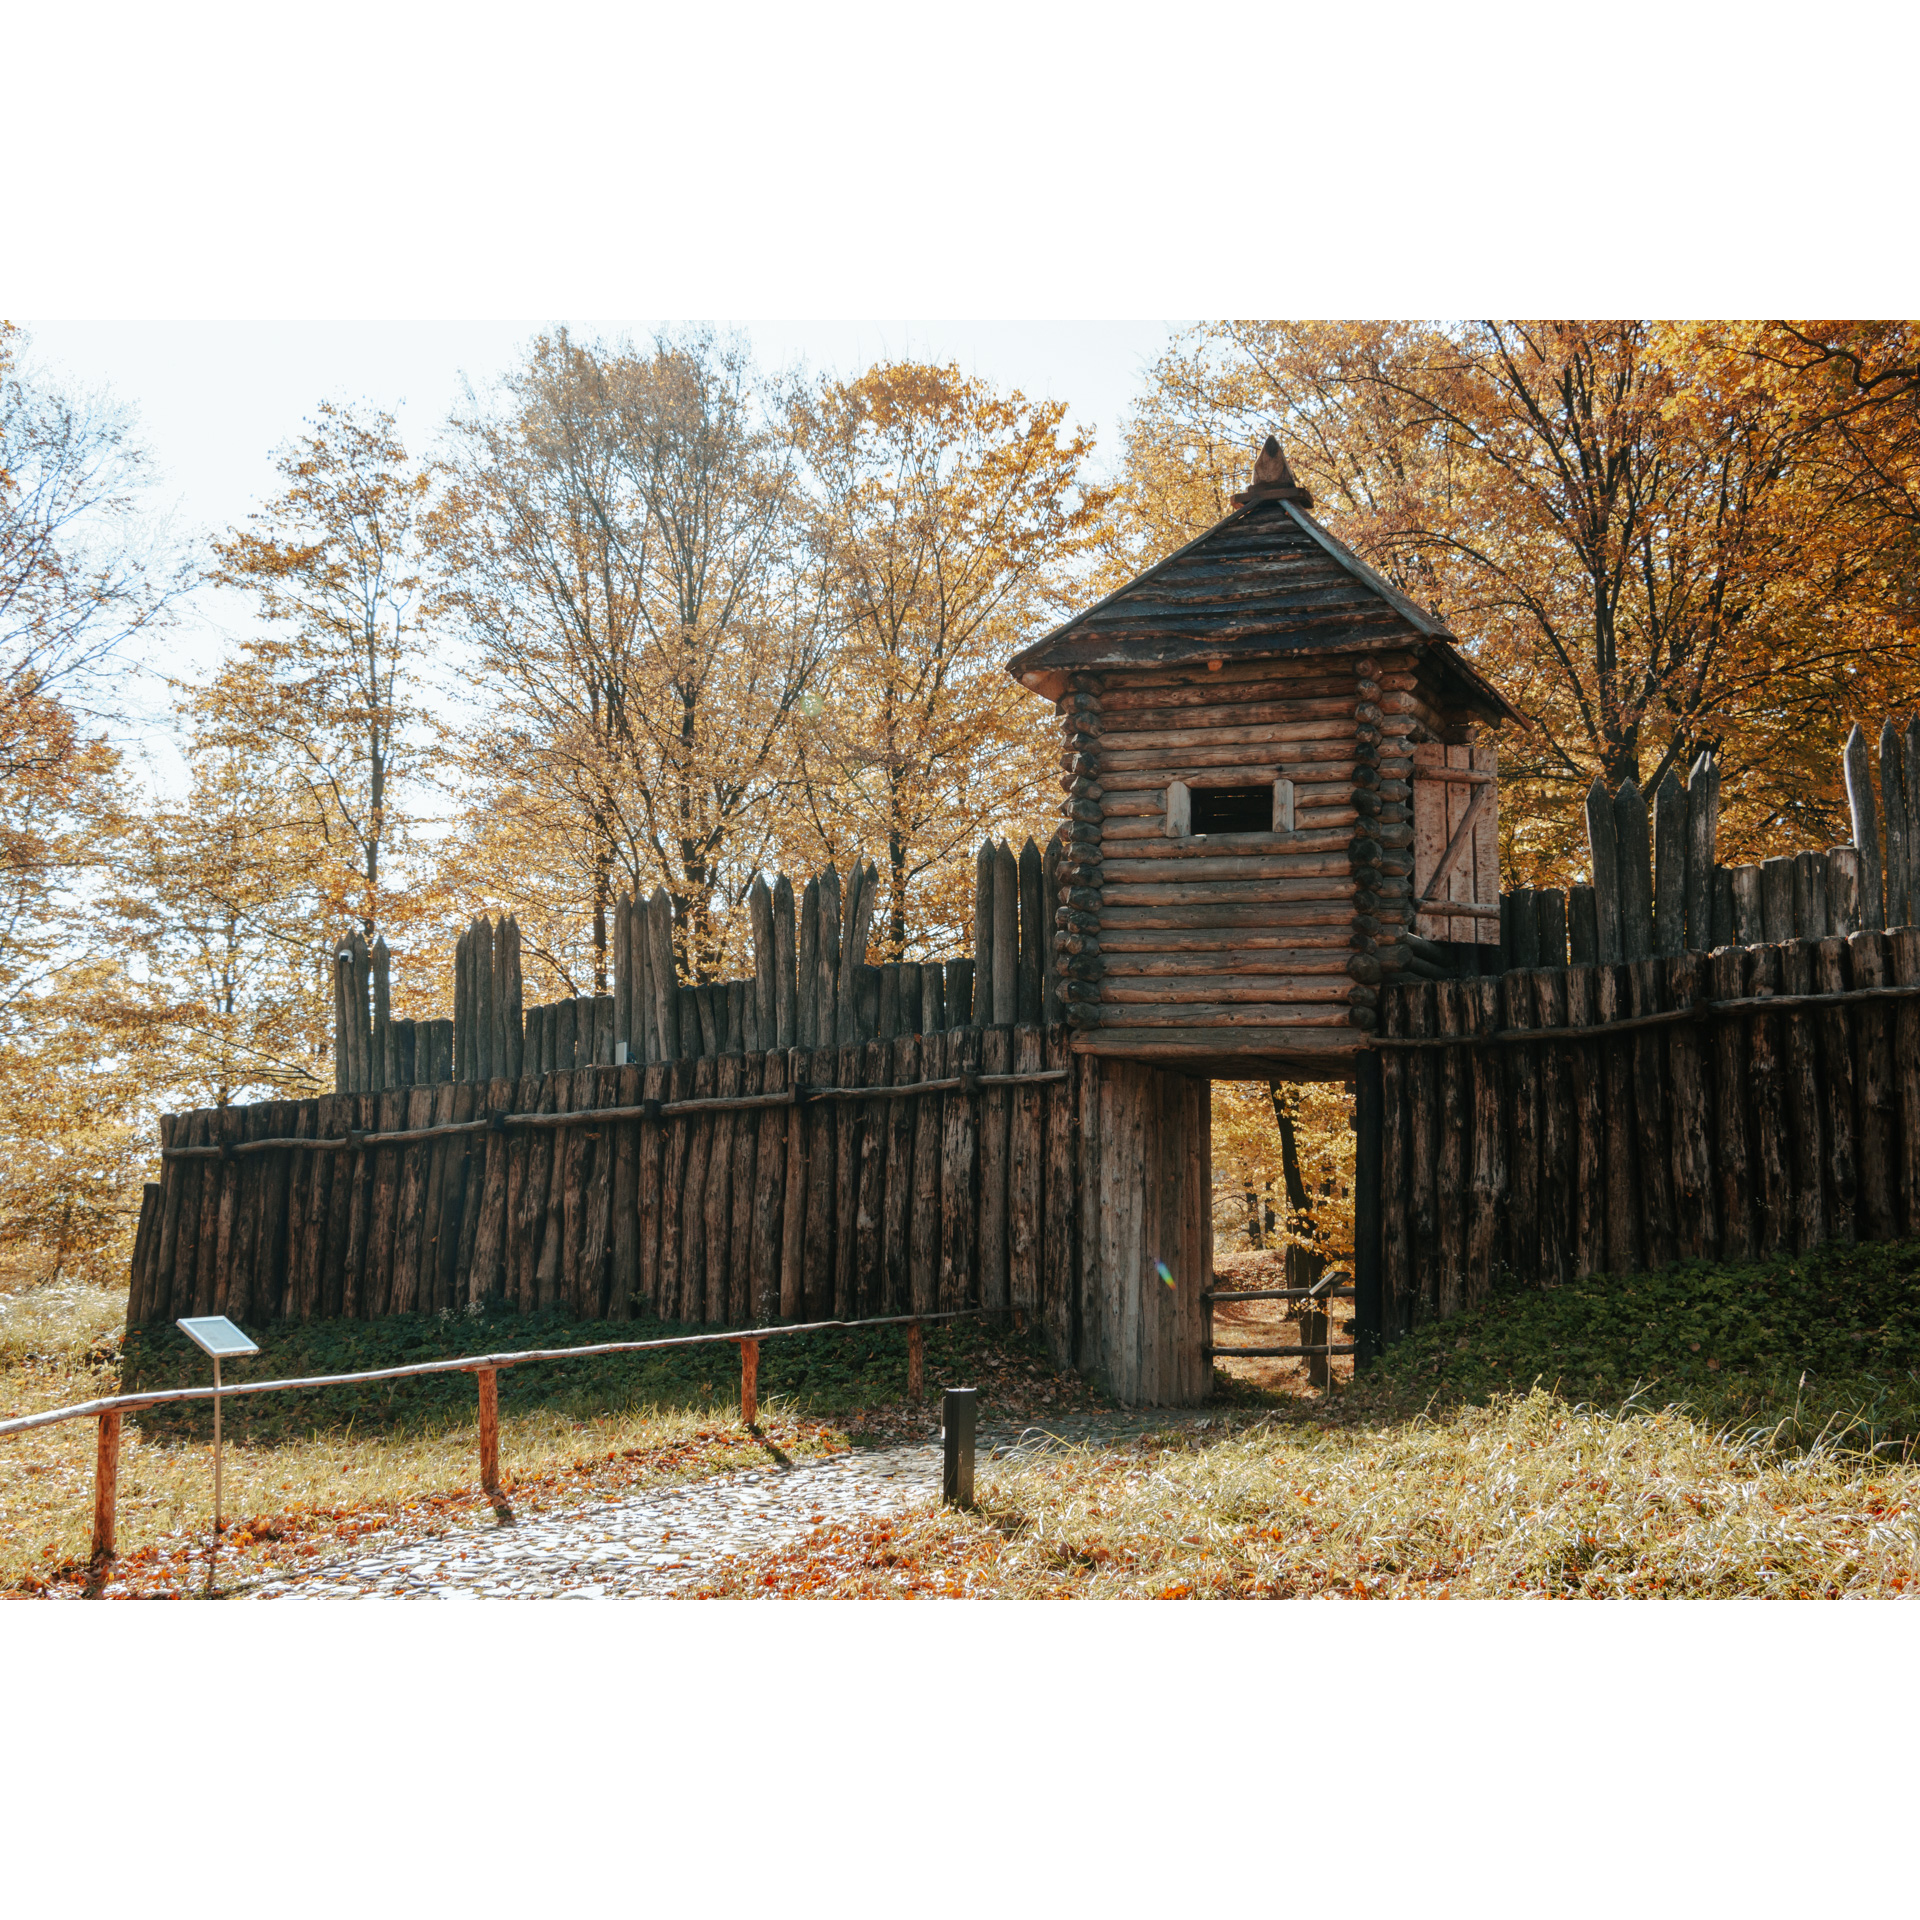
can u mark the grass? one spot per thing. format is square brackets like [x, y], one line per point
[1797, 1347]
[307, 1472]
[1525, 1497]
[1713, 1430]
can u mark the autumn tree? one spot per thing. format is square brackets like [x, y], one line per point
[617, 543]
[234, 930]
[948, 518]
[328, 697]
[84, 573]
[1618, 517]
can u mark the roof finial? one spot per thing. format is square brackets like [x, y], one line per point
[1273, 479]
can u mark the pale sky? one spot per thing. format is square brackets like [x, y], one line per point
[214, 398]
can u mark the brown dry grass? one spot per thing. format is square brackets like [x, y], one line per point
[1528, 1497]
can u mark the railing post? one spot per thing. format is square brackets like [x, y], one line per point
[489, 1378]
[959, 1409]
[106, 1484]
[916, 1363]
[749, 1382]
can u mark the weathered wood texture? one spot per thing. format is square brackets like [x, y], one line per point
[957, 1198]
[1237, 862]
[1147, 1259]
[1724, 1136]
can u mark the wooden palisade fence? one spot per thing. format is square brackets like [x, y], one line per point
[1278, 857]
[910, 1148]
[1679, 1061]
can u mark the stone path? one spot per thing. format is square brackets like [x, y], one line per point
[664, 1541]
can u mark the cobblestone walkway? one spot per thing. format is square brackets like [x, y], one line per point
[663, 1542]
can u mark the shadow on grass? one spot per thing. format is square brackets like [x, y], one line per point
[817, 1374]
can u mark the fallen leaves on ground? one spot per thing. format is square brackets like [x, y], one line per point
[262, 1547]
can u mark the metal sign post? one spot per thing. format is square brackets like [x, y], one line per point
[216, 1336]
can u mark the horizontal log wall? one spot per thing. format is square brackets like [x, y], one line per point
[1720, 1137]
[1259, 943]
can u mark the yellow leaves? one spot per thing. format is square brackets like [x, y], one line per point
[1247, 1156]
[948, 520]
[1654, 535]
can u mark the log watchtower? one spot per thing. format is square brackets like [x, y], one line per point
[1276, 766]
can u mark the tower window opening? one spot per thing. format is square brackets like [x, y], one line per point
[1232, 809]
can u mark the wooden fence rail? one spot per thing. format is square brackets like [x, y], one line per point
[1737, 1103]
[487, 1367]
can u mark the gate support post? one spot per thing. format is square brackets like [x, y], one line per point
[1369, 1127]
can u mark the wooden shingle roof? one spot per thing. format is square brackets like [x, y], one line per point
[1269, 579]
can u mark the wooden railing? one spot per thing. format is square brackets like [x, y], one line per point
[1322, 1351]
[486, 1366]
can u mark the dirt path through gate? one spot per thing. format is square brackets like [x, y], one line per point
[1268, 1323]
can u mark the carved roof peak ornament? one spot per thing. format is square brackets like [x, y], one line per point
[1273, 479]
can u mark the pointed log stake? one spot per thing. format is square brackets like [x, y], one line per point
[106, 1484]
[1004, 1008]
[1866, 829]
[983, 904]
[361, 1016]
[382, 1014]
[1036, 921]
[623, 978]
[841, 1030]
[749, 1383]
[827, 967]
[1703, 819]
[807, 967]
[516, 1012]
[1670, 868]
[1052, 1011]
[861, 900]
[660, 971]
[765, 999]
[489, 1378]
[342, 1056]
[1893, 810]
[1635, 856]
[785, 1015]
[462, 1068]
[1604, 856]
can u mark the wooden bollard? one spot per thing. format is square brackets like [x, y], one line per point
[106, 1483]
[489, 1378]
[749, 1382]
[959, 1409]
[916, 1363]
